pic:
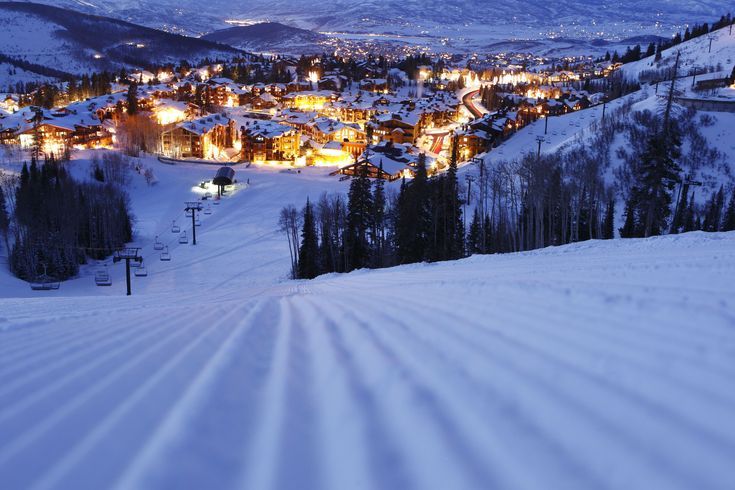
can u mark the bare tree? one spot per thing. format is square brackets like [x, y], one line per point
[289, 223]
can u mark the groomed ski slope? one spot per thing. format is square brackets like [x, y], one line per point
[595, 365]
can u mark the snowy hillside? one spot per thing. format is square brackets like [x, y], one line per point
[708, 152]
[10, 75]
[269, 37]
[695, 55]
[77, 43]
[596, 365]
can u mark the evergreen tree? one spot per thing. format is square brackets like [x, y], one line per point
[4, 219]
[490, 245]
[608, 226]
[657, 177]
[728, 221]
[651, 50]
[454, 229]
[378, 221]
[359, 221]
[630, 227]
[309, 249]
[690, 223]
[713, 218]
[474, 240]
[413, 227]
[132, 99]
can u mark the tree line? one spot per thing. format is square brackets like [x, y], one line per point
[52, 223]
[534, 201]
[372, 228]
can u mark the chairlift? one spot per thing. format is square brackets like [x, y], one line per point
[165, 256]
[216, 202]
[183, 238]
[208, 210]
[44, 282]
[175, 228]
[208, 195]
[141, 272]
[157, 245]
[102, 277]
[197, 222]
[189, 213]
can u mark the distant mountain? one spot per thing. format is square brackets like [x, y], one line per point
[268, 37]
[560, 47]
[456, 18]
[74, 42]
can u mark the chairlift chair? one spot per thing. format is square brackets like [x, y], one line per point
[198, 222]
[216, 202]
[189, 213]
[157, 245]
[45, 286]
[102, 277]
[208, 195]
[208, 210]
[175, 228]
[165, 256]
[141, 272]
[183, 238]
[44, 282]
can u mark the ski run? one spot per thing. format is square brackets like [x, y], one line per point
[602, 364]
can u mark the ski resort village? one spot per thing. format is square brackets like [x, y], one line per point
[252, 247]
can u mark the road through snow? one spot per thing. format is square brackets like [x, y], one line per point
[594, 365]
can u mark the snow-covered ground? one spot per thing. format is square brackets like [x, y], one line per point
[696, 54]
[594, 365]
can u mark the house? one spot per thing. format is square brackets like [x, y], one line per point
[263, 101]
[324, 129]
[374, 84]
[309, 101]
[470, 142]
[398, 128]
[53, 132]
[206, 137]
[387, 161]
[268, 141]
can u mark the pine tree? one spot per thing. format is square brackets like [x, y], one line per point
[378, 222]
[630, 227]
[359, 221]
[132, 99]
[728, 221]
[454, 238]
[608, 226]
[474, 241]
[414, 224]
[651, 50]
[713, 215]
[4, 219]
[689, 223]
[658, 174]
[309, 249]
